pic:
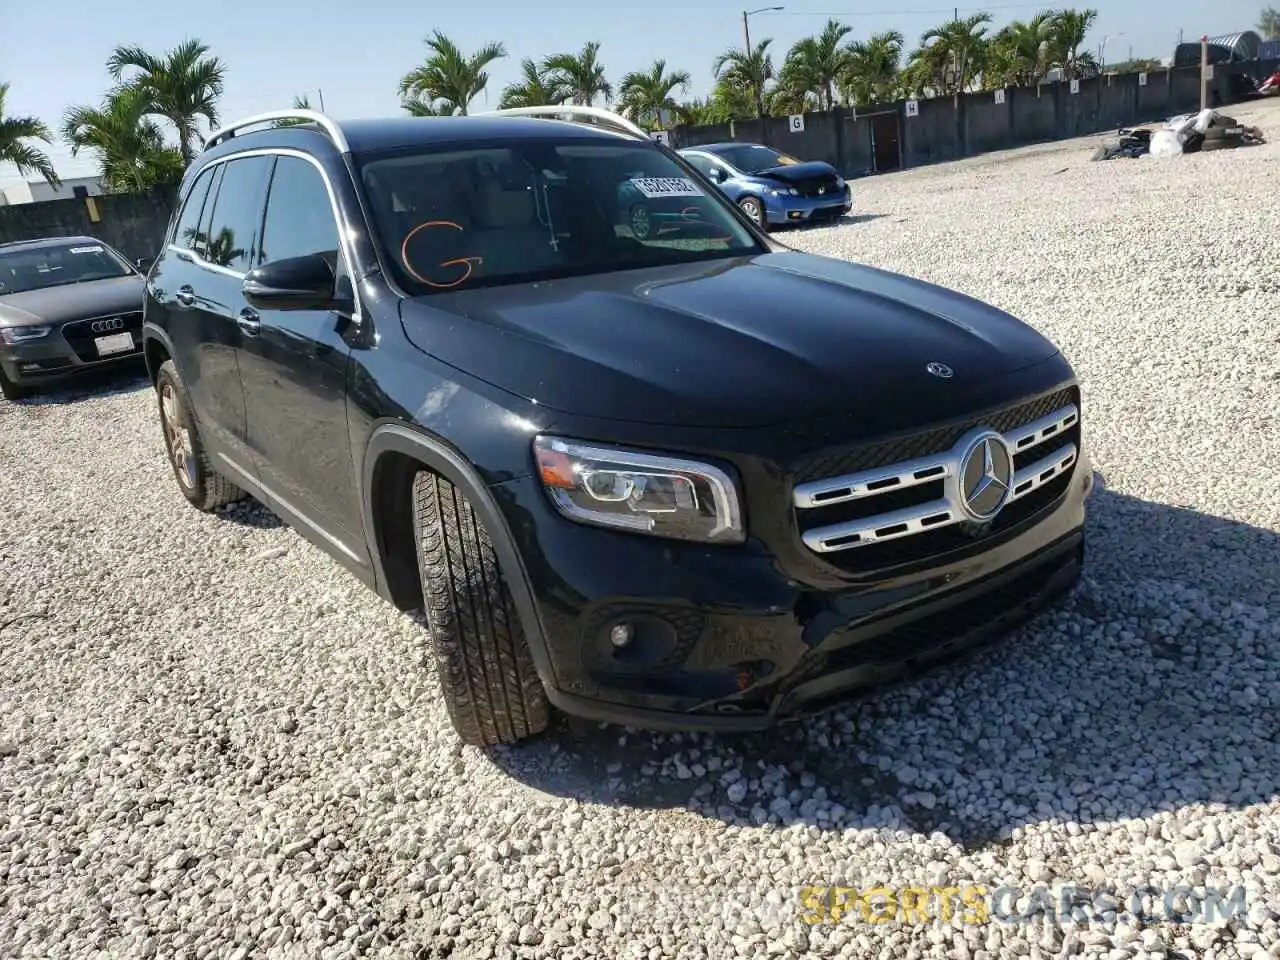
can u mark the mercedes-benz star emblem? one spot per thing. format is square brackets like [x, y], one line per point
[940, 370]
[986, 476]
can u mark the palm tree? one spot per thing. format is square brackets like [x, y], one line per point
[448, 74]
[871, 70]
[815, 64]
[1068, 29]
[537, 87]
[955, 48]
[183, 86]
[749, 71]
[130, 146]
[14, 132]
[582, 73]
[647, 95]
[1269, 23]
[1018, 52]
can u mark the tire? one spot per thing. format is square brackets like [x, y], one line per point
[754, 209]
[203, 486]
[487, 676]
[10, 390]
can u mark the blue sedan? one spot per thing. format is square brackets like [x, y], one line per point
[771, 187]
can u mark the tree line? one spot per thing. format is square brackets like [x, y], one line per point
[180, 89]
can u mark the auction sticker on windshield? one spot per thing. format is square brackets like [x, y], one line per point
[86, 249]
[657, 187]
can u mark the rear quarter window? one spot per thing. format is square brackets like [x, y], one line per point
[186, 231]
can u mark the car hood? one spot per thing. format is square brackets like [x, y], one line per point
[72, 301]
[795, 172]
[744, 342]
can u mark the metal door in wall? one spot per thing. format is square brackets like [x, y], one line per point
[885, 149]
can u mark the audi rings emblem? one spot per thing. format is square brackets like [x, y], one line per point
[106, 326]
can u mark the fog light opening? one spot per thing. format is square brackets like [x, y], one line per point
[621, 635]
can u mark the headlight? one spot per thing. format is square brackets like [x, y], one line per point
[784, 191]
[23, 334]
[629, 490]
[839, 183]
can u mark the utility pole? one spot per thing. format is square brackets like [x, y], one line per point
[746, 32]
[321, 93]
[1204, 73]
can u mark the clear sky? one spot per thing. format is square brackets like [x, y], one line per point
[354, 52]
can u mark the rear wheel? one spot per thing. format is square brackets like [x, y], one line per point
[10, 390]
[202, 485]
[490, 686]
[754, 209]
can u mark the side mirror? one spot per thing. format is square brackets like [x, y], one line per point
[717, 175]
[143, 264]
[294, 283]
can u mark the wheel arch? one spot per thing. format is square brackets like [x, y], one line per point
[396, 452]
[156, 349]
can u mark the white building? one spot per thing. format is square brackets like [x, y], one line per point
[36, 191]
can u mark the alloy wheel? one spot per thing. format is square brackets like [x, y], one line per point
[177, 437]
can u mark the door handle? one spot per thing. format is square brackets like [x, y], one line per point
[185, 296]
[249, 322]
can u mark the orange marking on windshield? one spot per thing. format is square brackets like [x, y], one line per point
[469, 262]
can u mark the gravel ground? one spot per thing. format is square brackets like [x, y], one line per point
[215, 743]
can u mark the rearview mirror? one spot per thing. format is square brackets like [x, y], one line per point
[294, 283]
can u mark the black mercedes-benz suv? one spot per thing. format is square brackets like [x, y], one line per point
[689, 480]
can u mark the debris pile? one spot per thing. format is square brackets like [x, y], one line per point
[1188, 133]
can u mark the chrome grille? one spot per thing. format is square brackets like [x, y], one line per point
[922, 494]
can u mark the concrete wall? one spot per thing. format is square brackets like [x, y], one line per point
[132, 223]
[947, 128]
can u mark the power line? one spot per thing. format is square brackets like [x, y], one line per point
[908, 13]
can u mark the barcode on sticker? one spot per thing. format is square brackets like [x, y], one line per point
[655, 187]
[86, 249]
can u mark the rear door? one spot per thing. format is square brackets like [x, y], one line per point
[294, 368]
[208, 303]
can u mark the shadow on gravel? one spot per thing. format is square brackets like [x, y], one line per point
[126, 378]
[1152, 687]
[250, 513]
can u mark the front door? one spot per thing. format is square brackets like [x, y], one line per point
[294, 368]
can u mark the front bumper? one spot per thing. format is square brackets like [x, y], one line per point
[64, 352]
[725, 640]
[789, 209]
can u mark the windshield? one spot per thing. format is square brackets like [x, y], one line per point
[456, 219]
[58, 264]
[752, 158]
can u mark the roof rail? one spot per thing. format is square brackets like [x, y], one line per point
[311, 116]
[576, 114]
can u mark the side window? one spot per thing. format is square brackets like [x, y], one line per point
[186, 232]
[702, 164]
[299, 218]
[237, 212]
[201, 244]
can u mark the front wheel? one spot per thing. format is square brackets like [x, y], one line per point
[487, 676]
[754, 209]
[203, 486]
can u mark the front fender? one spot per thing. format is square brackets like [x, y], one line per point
[393, 440]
